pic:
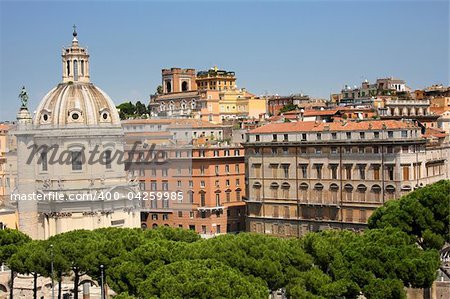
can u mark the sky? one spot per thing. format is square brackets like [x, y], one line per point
[275, 47]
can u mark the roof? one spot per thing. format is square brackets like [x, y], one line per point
[438, 110]
[178, 95]
[436, 133]
[193, 123]
[148, 121]
[306, 126]
[313, 112]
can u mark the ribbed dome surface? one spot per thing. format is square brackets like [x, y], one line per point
[75, 104]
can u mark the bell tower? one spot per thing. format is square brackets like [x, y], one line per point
[75, 62]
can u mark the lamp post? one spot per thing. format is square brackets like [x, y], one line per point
[51, 267]
[102, 296]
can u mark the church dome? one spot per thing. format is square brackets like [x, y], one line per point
[76, 102]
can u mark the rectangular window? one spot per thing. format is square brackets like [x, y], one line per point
[376, 172]
[236, 152]
[202, 184]
[333, 136]
[274, 137]
[404, 134]
[217, 200]
[164, 172]
[304, 168]
[237, 182]
[227, 169]
[318, 171]
[318, 150]
[44, 162]
[237, 168]
[285, 170]
[286, 137]
[257, 138]
[390, 170]
[349, 135]
[202, 169]
[406, 172]
[334, 150]
[76, 160]
[274, 168]
[319, 136]
[390, 134]
[362, 135]
[376, 135]
[303, 137]
[362, 172]
[276, 213]
[228, 196]
[153, 186]
[238, 195]
[348, 172]
[334, 172]
[227, 183]
[165, 186]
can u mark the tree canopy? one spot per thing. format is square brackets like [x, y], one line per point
[423, 213]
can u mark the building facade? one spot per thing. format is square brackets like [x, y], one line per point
[310, 176]
[59, 187]
[199, 171]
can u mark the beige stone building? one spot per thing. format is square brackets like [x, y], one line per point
[209, 95]
[309, 176]
[61, 185]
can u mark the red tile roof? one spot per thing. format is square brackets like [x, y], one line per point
[305, 126]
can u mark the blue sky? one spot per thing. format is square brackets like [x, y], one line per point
[278, 47]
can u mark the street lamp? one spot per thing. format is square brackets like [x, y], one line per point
[101, 283]
[51, 267]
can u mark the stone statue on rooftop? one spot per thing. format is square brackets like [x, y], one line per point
[23, 96]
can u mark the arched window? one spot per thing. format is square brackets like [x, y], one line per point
[168, 86]
[376, 191]
[193, 105]
[257, 191]
[75, 70]
[334, 193]
[318, 192]
[348, 192]
[183, 105]
[274, 189]
[68, 68]
[184, 86]
[108, 159]
[82, 67]
[303, 192]
[361, 192]
[285, 187]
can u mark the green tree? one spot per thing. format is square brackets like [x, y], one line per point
[274, 260]
[423, 213]
[201, 279]
[288, 107]
[141, 109]
[159, 89]
[33, 259]
[173, 234]
[10, 241]
[126, 110]
[82, 249]
[376, 254]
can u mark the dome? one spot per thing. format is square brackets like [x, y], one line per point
[74, 104]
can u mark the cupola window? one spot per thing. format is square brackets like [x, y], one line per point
[75, 116]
